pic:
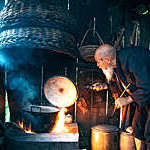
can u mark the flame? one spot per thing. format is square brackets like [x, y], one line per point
[82, 105]
[20, 124]
[59, 126]
[25, 129]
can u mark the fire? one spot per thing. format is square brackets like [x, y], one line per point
[82, 105]
[25, 129]
[20, 124]
[59, 126]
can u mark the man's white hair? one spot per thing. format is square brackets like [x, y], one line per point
[105, 50]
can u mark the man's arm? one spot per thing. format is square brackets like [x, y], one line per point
[141, 73]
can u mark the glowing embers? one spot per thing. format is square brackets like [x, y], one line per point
[26, 129]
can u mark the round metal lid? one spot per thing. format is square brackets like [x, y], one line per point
[60, 91]
[105, 127]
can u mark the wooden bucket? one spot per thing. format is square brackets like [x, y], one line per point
[104, 137]
[127, 141]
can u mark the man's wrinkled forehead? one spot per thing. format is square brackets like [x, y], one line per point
[98, 55]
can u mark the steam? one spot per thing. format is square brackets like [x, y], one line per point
[10, 58]
[24, 90]
[5, 61]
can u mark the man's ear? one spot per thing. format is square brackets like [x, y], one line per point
[107, 59]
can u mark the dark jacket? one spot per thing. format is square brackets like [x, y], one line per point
[133, 66]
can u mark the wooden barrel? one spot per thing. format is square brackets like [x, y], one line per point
[104, 137]
[127, 141]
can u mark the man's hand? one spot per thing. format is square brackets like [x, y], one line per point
[123, 101]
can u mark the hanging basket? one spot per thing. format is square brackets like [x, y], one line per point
[87, 51]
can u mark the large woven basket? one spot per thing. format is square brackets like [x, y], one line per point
[43, 38]
[38, 24]
[34, 13]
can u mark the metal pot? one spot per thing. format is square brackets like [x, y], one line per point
[42, 118]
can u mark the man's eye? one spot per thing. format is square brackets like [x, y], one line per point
[102, 59]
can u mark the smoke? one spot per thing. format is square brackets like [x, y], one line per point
[11, 58]
[5, 61]
[22, 85]
[24, 89]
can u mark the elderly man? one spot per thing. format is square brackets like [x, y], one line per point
[131, 67]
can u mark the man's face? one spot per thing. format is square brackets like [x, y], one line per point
[102, 62]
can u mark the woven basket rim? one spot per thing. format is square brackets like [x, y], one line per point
[89, 46]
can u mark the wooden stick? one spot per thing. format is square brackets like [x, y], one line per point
[121, 109]
[107, 97]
